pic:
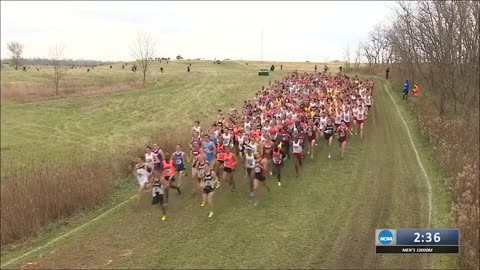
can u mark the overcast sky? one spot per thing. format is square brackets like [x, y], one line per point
[293, 31]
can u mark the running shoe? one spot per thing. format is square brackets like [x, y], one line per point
[202, 204]
[164, 217]
[329, 156]
[234, 189]
[279, 184]
[271, 173]
[255, 204]
[210, 214]
[251, 194]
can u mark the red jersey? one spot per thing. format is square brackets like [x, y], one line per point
[221, 152]
[168, 169]
[229, 161]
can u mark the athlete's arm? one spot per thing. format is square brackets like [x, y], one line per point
[162, 154]
[156, 160]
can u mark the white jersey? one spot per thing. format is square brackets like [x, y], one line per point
[226, 139]
[149, 158]
[253, 147]
[248, 127]
[249, 161]
[338, 118]
[346, 117]
[368, 100]
[297, 147]
[323, 122]
[198, 130]
[355, 112]
[142, 175]
[294, 117]
[360, 115]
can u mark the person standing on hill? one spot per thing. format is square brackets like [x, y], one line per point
[406, 87]
[416, 90]
[387, 71]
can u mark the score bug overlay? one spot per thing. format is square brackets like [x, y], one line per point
[417, 241]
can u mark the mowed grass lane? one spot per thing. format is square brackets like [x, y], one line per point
[52, 130]
[324, 219]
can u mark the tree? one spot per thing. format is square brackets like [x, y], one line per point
[179, 57]
[358, 56]
[58, 62]
[16, 49]
[144, 50]
[347, 54]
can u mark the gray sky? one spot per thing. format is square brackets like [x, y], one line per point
[293, 31]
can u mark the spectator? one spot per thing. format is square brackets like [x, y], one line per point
[406, 87]
[386, 73]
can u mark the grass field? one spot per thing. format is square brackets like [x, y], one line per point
[53, 129]
[324, 219]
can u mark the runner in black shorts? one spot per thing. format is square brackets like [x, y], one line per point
[260, 175]
[328, 132]
[158, 191]
[208, 184]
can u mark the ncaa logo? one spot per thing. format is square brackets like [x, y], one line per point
[385, 237]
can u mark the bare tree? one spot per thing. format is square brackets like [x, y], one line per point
[144, 51]
[16, 49]
[347, 54]
[58, 62]
[358, 56]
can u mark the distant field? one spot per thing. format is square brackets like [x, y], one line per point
[52, 129]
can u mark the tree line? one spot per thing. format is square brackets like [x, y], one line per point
[435, 43]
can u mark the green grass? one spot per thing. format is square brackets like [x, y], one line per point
[53, 129]
[324, 219]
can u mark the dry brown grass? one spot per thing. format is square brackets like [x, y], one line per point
[35, 194]
[455, 147]
[24, 91]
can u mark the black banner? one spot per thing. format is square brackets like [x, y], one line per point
[417, 249]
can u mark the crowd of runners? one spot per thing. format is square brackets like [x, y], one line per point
[283, 123]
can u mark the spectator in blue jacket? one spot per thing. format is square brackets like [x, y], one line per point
[406, 87]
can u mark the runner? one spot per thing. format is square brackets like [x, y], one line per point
[342, 136]
[260, 171]
[160, 156]
[228, 167]
[195, 153]
[196, 129]
[285, 139]
[151, 159]
[220, 157]
[209, 149]
[311, 132]
[278, 162]
[158, 186]
[178, 159]
[328, 134]
[208, 185]
[267, 152]
[298, 154]
[200, 168]
[249, 166]
[361, 115]
[168, 174]
[142, 174]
